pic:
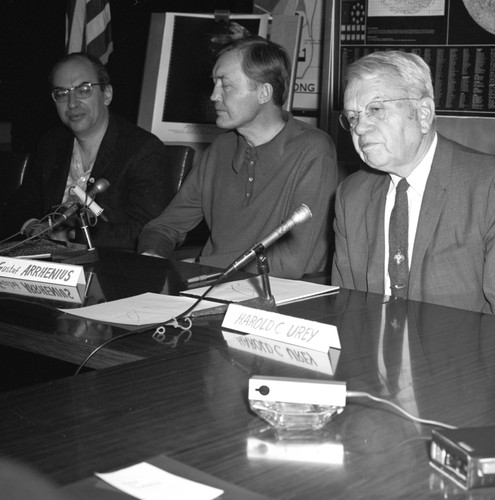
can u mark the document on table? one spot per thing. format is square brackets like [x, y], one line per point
[283, 290]
[147, 482]
[145, 309]
[94, 488]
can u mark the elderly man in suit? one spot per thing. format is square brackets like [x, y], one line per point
[447, 205]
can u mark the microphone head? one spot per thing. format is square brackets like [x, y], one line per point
[301, 214]
[99, 186]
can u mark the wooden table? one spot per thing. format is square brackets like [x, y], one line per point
[36, 325]
[190, 403]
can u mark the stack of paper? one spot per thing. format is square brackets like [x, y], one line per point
[145, 309]
[283, 290]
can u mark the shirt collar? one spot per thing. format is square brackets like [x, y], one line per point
[418, 177]
[269, 153]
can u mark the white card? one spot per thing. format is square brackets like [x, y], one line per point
[147, 482]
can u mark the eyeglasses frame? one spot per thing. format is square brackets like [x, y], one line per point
[343, 113]
[68, 91]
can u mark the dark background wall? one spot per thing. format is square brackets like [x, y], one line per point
[32, 39]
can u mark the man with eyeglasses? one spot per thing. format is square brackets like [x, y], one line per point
[93, 144]
[434, 196]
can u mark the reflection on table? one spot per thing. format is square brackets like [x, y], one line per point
[186, 396]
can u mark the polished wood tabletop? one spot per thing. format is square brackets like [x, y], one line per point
[189, 401]
[36, 324]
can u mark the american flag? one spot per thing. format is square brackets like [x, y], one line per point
[88, 28]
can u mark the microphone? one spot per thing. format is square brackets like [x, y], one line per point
[301, 214]
[87, 201]
[87, 198]
[32, 226]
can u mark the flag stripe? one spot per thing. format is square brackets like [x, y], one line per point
[101, 46]
[76, 36]
[97, 24]
[89, 28]
[95, 7]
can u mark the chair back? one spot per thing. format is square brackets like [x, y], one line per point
[179, 161]
[12, 169]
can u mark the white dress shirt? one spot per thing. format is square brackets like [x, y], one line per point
[78, 175]
[417, 184]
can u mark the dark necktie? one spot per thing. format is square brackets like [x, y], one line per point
[398, 266]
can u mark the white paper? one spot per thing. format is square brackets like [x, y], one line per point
[147, 482]
[145, 309]
[283, 290]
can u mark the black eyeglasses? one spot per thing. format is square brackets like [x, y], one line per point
[374, 110]
[82, 91]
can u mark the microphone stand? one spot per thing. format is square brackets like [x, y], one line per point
[266, 301]
[263, 270]
[90, 254]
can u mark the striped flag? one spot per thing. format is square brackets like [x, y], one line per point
[88, 28]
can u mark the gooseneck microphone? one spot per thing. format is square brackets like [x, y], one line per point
[87, 198]
[87, 201]
[301, 214]
[33, 226]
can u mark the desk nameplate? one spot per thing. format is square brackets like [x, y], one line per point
[301, 332]
[42, 272]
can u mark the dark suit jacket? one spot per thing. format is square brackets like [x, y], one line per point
[130, 158]
[453, 260]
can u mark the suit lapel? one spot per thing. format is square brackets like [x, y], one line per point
[106, 152]
[376, 234]
[56, 180]
[432, 204]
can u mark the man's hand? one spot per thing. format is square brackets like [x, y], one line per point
[62, 233]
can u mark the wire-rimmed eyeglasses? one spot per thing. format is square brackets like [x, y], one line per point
[82, 91]
[374, 110]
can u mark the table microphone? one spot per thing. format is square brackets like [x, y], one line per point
[87, 197]
[87, 200]
[301, 214]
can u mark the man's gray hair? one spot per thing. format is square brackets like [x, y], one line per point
[404, 69]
